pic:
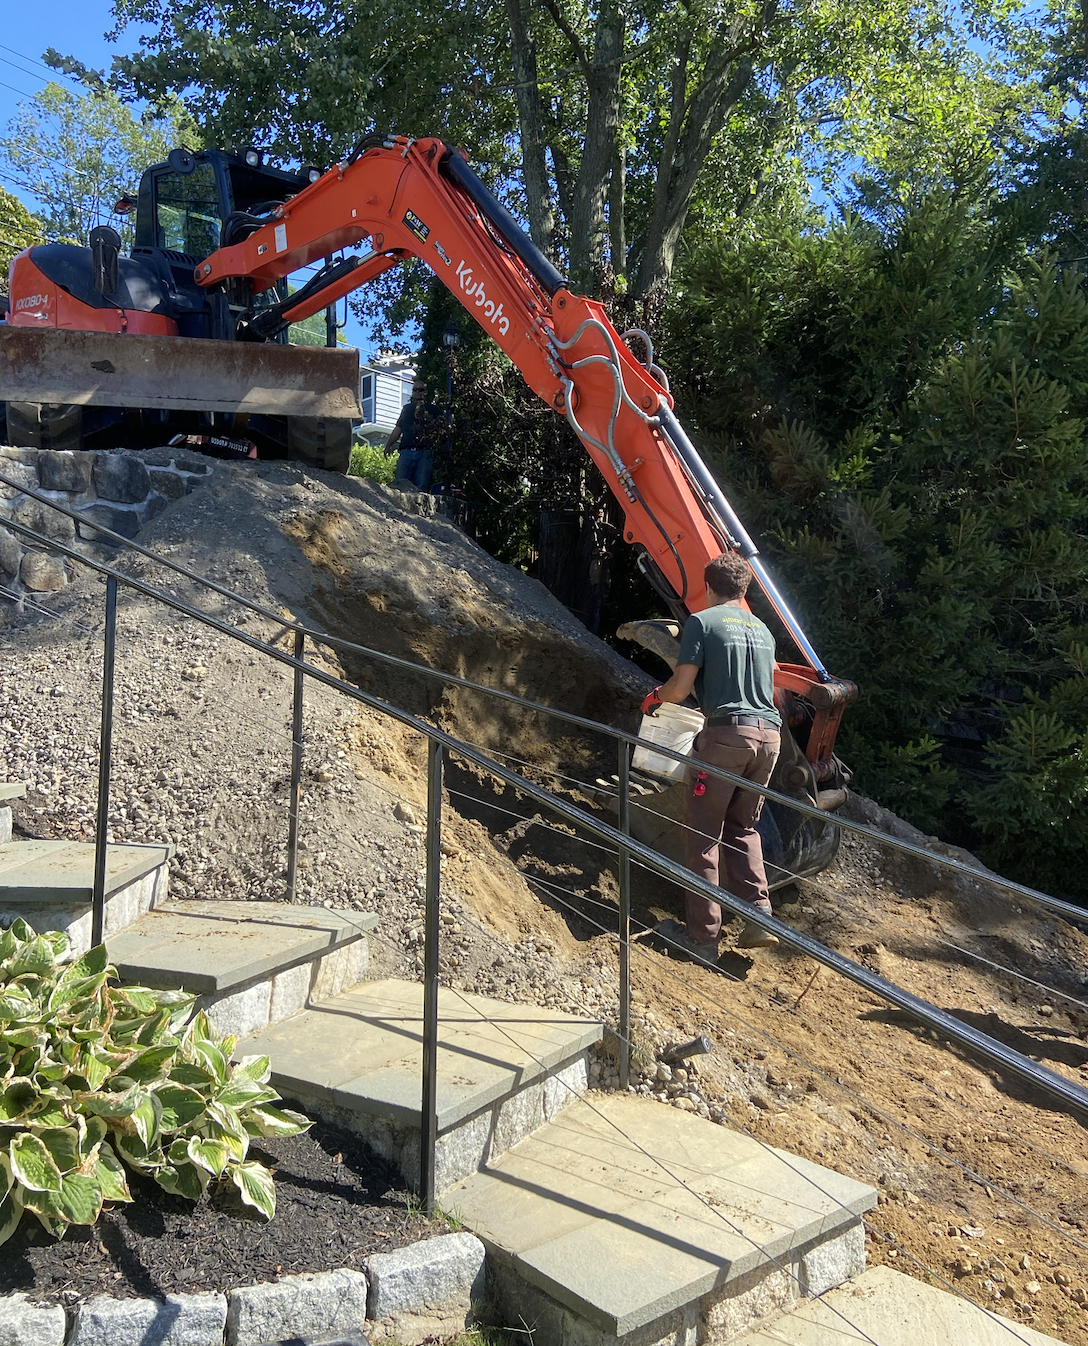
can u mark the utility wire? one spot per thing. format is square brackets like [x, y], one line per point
[24, 71]
[57, 74]
[1012, 972]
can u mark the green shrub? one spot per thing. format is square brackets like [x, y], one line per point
[95, 1078]
[370, 460]
[900, 413]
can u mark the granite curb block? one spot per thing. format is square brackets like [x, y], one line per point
[180, 1320]
[26, 1324]
[317, 1305]
[427, 1274]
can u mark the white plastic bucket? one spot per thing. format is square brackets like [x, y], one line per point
[673, 727]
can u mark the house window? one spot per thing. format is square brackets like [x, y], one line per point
[366, 397]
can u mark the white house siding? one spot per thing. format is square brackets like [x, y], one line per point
[389, 397]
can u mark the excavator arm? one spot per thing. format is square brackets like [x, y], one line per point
[419, 198]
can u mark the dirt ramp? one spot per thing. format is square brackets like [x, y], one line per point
[420, 589]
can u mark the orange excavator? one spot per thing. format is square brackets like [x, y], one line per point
[192, 323]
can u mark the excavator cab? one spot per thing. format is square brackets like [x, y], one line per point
[194, 203]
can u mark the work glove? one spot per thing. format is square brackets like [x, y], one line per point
[652, 701]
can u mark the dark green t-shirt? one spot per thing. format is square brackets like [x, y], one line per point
[735, 655]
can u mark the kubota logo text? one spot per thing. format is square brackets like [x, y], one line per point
[475, 290]
[30, 301]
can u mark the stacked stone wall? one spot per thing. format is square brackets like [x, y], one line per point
[121, 490]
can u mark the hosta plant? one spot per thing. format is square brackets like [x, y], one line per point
[97, 1079]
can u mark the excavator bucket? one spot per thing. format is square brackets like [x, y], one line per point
[161, 373]
[794, 846]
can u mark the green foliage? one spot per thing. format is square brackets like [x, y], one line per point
[899, 408]
[96, 1079]
[78, 154]
[19, 228]
[371, 460]
[605, 124]
[510, 454]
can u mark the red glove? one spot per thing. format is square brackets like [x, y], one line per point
[652, 701]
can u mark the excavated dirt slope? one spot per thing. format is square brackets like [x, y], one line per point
[982, 1184]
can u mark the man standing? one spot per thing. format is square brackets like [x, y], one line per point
[727, 657]
[414, 464]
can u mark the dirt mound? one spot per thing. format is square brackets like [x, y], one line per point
[982, 1185]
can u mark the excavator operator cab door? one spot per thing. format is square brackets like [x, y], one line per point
[182, 208]
[182, 204]
[190, 209]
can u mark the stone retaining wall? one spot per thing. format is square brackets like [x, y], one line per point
[403, 1295]
[120, 490]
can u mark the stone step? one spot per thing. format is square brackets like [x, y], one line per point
[891, 1309]
[9, 790]
[356, 1060]
[252, 963]
[591, 1241]
[50, 883]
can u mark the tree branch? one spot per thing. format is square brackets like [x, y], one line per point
[572, 37]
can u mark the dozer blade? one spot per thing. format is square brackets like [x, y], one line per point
[110, 369]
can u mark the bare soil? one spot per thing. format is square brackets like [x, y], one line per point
[982, 1184]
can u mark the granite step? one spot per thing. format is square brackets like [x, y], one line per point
[592, 1241]
[891, 1309]
[252, 963]
[9, 790]
[50, 884]
[356, 1060]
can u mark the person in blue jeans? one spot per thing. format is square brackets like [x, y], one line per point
[414, 464]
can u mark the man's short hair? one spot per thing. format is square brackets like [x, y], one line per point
[728, 576]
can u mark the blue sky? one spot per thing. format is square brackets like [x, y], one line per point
[75, 28]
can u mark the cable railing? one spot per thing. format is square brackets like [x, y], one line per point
[607, 839]
[620, 840]
[1067, 910]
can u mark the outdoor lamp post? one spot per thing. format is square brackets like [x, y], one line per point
[451, 339]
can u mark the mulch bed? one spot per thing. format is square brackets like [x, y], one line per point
[335, 1204]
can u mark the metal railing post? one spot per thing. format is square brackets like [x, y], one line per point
[428, 1122]
[624, 880]
[105, 752]
[296, 768]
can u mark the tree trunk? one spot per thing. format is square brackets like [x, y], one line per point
[617, 235]
[587, 217]
[693, 125]
[531, 124]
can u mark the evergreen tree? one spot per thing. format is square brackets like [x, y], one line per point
[901, 410]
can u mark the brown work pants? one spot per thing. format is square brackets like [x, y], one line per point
[725, 816]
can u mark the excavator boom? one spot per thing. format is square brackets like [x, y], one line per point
[419, 198]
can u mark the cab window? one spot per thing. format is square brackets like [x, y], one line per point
[187, 211]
